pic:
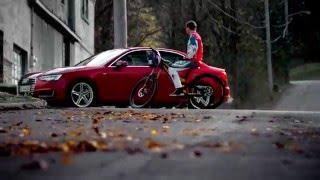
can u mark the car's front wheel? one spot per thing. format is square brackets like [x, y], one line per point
[82, 94]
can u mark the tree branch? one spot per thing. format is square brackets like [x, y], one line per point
[234, 18]
[105, 8]
[147, 35]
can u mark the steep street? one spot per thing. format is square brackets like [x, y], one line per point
[300, 96]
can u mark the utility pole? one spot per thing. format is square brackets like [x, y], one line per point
[120, 23]
[286, 15]
[269, 55]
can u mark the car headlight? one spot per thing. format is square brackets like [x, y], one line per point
[52, 77]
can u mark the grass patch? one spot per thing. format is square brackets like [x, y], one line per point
[306, 72]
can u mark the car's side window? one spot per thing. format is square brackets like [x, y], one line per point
[171, 56]
[137, 58]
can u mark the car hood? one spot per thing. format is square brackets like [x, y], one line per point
[67, 70]
[31, 75]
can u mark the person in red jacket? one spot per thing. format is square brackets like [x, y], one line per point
[193, 58]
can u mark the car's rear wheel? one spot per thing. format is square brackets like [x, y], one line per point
[82, 94]
[210, 93]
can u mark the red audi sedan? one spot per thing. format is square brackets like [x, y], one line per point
[109, 77]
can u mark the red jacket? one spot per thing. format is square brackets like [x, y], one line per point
[195, 48]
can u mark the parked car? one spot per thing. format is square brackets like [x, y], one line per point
[105, 79]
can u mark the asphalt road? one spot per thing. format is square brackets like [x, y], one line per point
[300, 96]
[102, 143]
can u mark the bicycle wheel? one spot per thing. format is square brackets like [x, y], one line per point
[143, 92]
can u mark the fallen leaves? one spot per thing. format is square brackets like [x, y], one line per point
[2, 130]
[103, 135]
[54, 135]
[164, 155]
[197, 153]
[137, 132]
[301, 132]
[87, 146]
[152, 117]
[290, 146]
[36, 165]
[66, 158]
[31, 147]
[25, 132]
[254, 132]
[279, 145]
[165, 129]
[225, 147]
[131, 115]
[154, 146]
[197, 131]
[76, 132]
[154, 132]
[133, 150]
[241, 119]
[19, 123]
[295, 147]
[129, 138]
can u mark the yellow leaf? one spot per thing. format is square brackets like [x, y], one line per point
[154, 132]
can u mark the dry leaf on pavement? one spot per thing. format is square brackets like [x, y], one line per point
[36, 165]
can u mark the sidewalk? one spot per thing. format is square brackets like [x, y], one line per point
[12, 102]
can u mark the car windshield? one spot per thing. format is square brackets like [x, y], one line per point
[102, 58]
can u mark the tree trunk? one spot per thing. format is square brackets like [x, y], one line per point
[234, 38]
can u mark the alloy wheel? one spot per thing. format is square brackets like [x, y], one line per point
[82, 94]
[205, 99]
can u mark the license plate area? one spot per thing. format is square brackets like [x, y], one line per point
[26, 88]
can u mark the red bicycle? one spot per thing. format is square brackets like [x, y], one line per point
[199, 93]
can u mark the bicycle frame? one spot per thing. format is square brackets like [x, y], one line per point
[163, 66]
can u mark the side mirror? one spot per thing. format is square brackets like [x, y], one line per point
[121, 63]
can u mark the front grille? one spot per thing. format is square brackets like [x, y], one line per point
[32, 81]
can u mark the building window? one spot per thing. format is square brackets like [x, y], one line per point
[66, 52]
[16, 71]
[85, 10]
[71, 13]
[18, 66]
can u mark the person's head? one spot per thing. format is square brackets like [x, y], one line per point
[191, 26]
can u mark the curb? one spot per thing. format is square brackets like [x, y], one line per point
[23, 105]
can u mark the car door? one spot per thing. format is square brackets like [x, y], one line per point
[120, 80]
[166, 86]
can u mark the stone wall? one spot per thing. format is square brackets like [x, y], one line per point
[47, 44]
[15, 19]
[85, 29]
